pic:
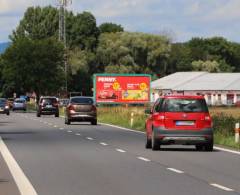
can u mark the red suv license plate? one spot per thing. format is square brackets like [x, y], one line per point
[185, 123]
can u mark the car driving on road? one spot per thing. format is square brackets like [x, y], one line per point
[19, 104]
[179, 120]
[48, 105]
[81, 109]
[4, 107]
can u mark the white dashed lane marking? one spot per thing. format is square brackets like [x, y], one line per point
[104, 144]
[175, 170]
[69, 131]
[89, 138]
[55, 126]
[78, 134]
[120, 150]
[221, 187]
[61, 128]
[144, 159]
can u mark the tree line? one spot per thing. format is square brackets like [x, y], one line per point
[35, 59]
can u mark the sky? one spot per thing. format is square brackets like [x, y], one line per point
[181, 19]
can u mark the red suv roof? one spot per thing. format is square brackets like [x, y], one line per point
[184, 96]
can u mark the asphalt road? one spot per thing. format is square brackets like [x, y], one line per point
[82, 159]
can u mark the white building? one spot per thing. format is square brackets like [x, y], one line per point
[217, 88]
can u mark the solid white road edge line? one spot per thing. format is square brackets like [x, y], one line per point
[221, 187]
[120, 150]
[226, 150]
[23, 184]
[144, 159]
[175, 170]
[140, 132]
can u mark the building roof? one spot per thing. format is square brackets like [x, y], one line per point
[188, 81]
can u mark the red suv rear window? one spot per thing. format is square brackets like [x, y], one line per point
[184, 105]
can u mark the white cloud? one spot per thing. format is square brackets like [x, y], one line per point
[185, 18]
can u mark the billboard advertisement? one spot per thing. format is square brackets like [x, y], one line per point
[116, 88]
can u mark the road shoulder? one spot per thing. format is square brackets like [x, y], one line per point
[7, 183]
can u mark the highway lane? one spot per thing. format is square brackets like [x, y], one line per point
[85, 159]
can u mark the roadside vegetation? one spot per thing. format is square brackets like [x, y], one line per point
[34, 61]
[224, 120]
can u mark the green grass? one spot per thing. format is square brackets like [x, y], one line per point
[223, 121]
[121, 116]
[228, 141]
[31, 107]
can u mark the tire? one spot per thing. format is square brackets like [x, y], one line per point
[67, 121]
[148, 143]
[209, 146]
[38, 114]
[57, 115]
[155, 142]
[8, 113]
[199, 147]
[94, 122]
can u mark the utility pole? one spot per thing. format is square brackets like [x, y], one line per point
[62, 32]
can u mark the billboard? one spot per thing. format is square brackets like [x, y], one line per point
[120, 88]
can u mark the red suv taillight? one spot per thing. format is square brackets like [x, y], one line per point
[94, 108]
[207, 121]
[71, 107]
[158, 119]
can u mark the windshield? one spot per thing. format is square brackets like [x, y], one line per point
[82, 100]
[185, 105]
[2, 101]
[19, 101]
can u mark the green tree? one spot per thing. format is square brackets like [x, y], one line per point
[34, 65]
[209, 66]
[82, 66]
[133, 53]
[43, 22]
[110, 28]
[83, 32]
[37, 23]
[215, 49]
[180, 58]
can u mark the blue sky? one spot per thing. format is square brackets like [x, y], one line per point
[182, 19]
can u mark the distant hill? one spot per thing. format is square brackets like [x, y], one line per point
[4, 46]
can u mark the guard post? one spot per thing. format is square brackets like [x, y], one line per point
[237, 132]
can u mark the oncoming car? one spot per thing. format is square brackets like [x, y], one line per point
[19, 104]
[79, 109]
[4, 107]
[179, 120]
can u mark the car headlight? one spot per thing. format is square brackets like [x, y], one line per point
[6, 107]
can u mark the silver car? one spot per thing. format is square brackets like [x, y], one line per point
[19, 104]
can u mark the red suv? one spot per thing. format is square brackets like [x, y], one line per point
[179, 120]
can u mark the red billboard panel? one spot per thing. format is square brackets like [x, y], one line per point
[122, 88]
